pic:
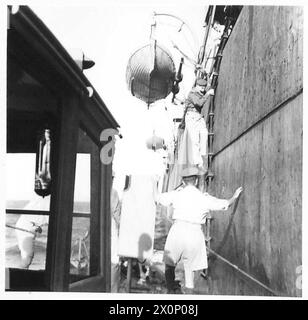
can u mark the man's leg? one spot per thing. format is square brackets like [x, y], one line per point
[170, 277]
[172, 285]
[143, 275]
[172, 255]
[189, 281]
[193, 130]
[203, 136]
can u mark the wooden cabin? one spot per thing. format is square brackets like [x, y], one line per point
[46, 86]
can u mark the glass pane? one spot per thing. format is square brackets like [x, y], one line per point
[80, 241]
[26, 241]
[20, 174]
[82, 184]
[80, 247]
[87, 154]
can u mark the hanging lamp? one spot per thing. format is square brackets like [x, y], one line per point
[42, 169]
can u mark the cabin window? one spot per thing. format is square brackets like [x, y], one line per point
[82, 184]
[84, 259]
[24, 208]
[24, 204]
[80, 244]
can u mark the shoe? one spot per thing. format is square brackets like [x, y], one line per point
[204, 274]
[177, 289]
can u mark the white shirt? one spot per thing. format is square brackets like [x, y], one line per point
[191, 205]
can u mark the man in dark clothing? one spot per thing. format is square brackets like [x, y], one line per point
[198, 96]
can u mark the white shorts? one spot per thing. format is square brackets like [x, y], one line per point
[186, 241]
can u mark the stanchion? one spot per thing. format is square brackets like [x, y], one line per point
[129, 275]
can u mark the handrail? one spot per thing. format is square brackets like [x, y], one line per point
[43, 213]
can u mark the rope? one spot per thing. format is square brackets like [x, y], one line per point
[222, 243]
[192, 61]
[20, 229]
[194, 38]
[212, 10]
[243, 272]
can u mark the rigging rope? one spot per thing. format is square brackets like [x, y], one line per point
[243, 272]
[222, 243]
[192, 61]
[183, 23]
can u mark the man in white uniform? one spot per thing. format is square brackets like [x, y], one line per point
[29, 226]
[32, 224]
[185, 239]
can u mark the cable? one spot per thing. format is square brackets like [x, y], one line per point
[183, 23]
[243, 272]
[192, 61]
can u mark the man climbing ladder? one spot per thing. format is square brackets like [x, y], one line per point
[193, 150]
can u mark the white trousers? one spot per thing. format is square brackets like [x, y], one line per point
[198, 132]
[194, 141]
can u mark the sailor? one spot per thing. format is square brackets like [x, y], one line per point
[198, 96]
[194, 152]
[185, 240]
[27, 229]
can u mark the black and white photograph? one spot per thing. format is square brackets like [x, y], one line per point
[152, 148]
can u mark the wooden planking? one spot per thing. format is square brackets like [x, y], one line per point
[262, 66]
[261, 69]
[266, 239]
